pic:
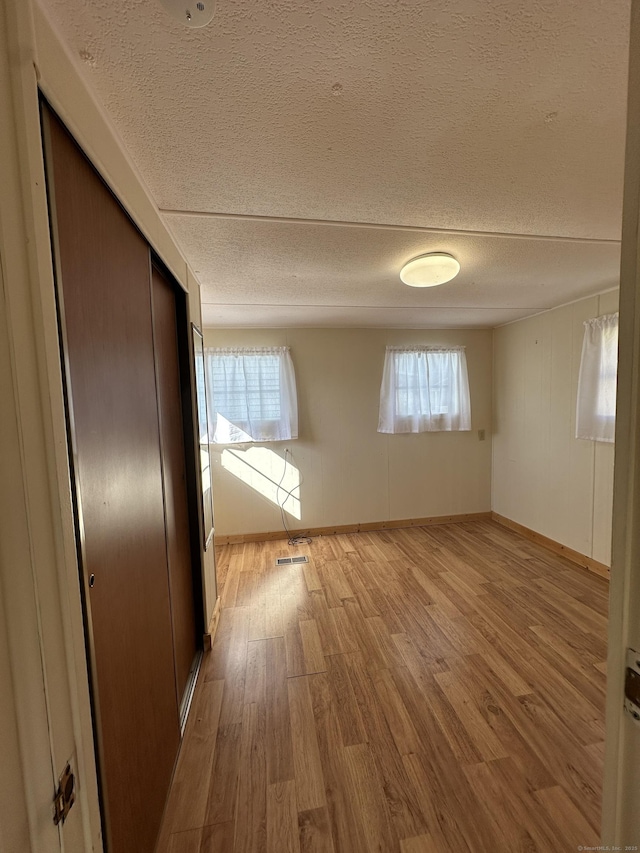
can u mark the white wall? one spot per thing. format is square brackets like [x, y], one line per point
[543, 477]
[351, 473]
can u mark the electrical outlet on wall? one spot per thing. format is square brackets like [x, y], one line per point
[480, 435]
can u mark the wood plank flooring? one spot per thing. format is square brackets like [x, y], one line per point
[420, 690]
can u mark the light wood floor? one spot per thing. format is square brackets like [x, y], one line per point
[433, 689]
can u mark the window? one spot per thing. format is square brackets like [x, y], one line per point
[596, 407]
[424, 389]
[251, 395]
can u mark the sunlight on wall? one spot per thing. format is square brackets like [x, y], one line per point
[205, 467]
[228, 433]
[268, 474]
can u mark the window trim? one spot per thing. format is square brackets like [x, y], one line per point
[254, 429]
[393, 422]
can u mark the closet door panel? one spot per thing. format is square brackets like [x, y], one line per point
[103, 266]
[175, 478]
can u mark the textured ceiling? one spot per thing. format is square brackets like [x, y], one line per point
[319, 266]
[505, 117]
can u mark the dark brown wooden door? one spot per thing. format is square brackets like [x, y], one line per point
[103, 267]
[175, 478]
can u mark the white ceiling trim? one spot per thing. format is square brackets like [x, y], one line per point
[325, 306]
[537, 312]
[421, 229]
[369, 317]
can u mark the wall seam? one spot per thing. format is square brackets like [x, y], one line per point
[593, 477]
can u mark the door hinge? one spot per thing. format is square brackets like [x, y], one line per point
[632, 685]
[65, 796]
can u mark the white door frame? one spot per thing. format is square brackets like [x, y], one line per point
[621, 817]
[38, 571]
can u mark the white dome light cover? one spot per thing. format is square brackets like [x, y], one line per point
[191, 13]
[430, 270]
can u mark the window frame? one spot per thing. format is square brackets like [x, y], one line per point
[396, 418]
[245, 425]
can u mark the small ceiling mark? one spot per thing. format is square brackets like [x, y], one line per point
[336, 89]
[551, 117]
[87, 56]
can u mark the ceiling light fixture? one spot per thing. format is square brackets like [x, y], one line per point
[430, 270]
[191, 13]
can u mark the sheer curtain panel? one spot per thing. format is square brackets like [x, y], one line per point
[596, 407]
[251, 394]
[424, 389]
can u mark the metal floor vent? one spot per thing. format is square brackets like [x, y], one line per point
[286, 561]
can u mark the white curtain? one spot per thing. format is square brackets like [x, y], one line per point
[251, 394]
[424, 389]
[596, 407]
